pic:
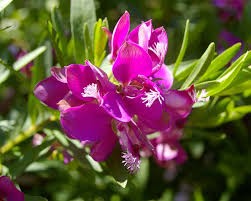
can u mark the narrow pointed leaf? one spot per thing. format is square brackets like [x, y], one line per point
[88, 44]
[56, 44]
[100, 41]
[241, 83]
[58, 25]
[221, 60]
[4, 4]
[20, 63]
[182, 49]
[6, 70]
[229, 75]
[201, 66]
[184, 70]
[4, 73]
[82, 11]
[207, 84]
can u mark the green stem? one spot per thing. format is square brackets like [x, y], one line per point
[25, 135]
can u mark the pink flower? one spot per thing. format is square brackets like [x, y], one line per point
[84, 95]
[140, 102]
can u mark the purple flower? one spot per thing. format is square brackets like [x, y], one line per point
[139, 101]
[139, 67]
[168, 149]
[230, 9]
[153, 41]
[84, 95]
[8, 190]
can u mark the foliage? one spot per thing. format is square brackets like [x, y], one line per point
[58, 33]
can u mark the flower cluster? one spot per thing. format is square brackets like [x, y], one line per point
[101, 113]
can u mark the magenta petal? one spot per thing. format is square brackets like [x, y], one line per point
[132, 61]
[78, 77]
[86, 122]
[144, 35]
[59, 74]
[159, 36]
[134, 34]
[170, 151]
[50, 91]
[69, 101]
[102, 149]
[158, 45]
[137, 107]
[180, 102]
[102, 77]
[113, 104]
[8, 191]
[119, 33]
[164, 78]
[165, 152]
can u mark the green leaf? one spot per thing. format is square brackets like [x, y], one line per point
[217, 113]
[58, 25]
[184, 70]
[20, 63]
[241, 83]
[182, 49]
[100, 41]
[56, 44]
[88, 44]
[4, 4]
[200, 66]
[82, 12]
[239, 112]
[220, 61]
[142, 176]
[229, 75]
[4, 73]
[198, 196]
[18, 167]
[34, 198]
[6, 70]
[40, 70]
[207, 84]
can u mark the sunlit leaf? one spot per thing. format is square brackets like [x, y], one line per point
[4, 4]
[220, 61]
[200, 66]
[229, 75]
[20, 63]
[241, 83]
[81, 12]
[182, 49]
[99, 42]
[88, 44]
[4, 73]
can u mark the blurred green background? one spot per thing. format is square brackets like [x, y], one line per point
[219, 158]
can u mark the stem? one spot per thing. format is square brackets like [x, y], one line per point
[25, 135]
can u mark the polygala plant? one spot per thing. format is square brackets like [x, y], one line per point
[108, 110]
